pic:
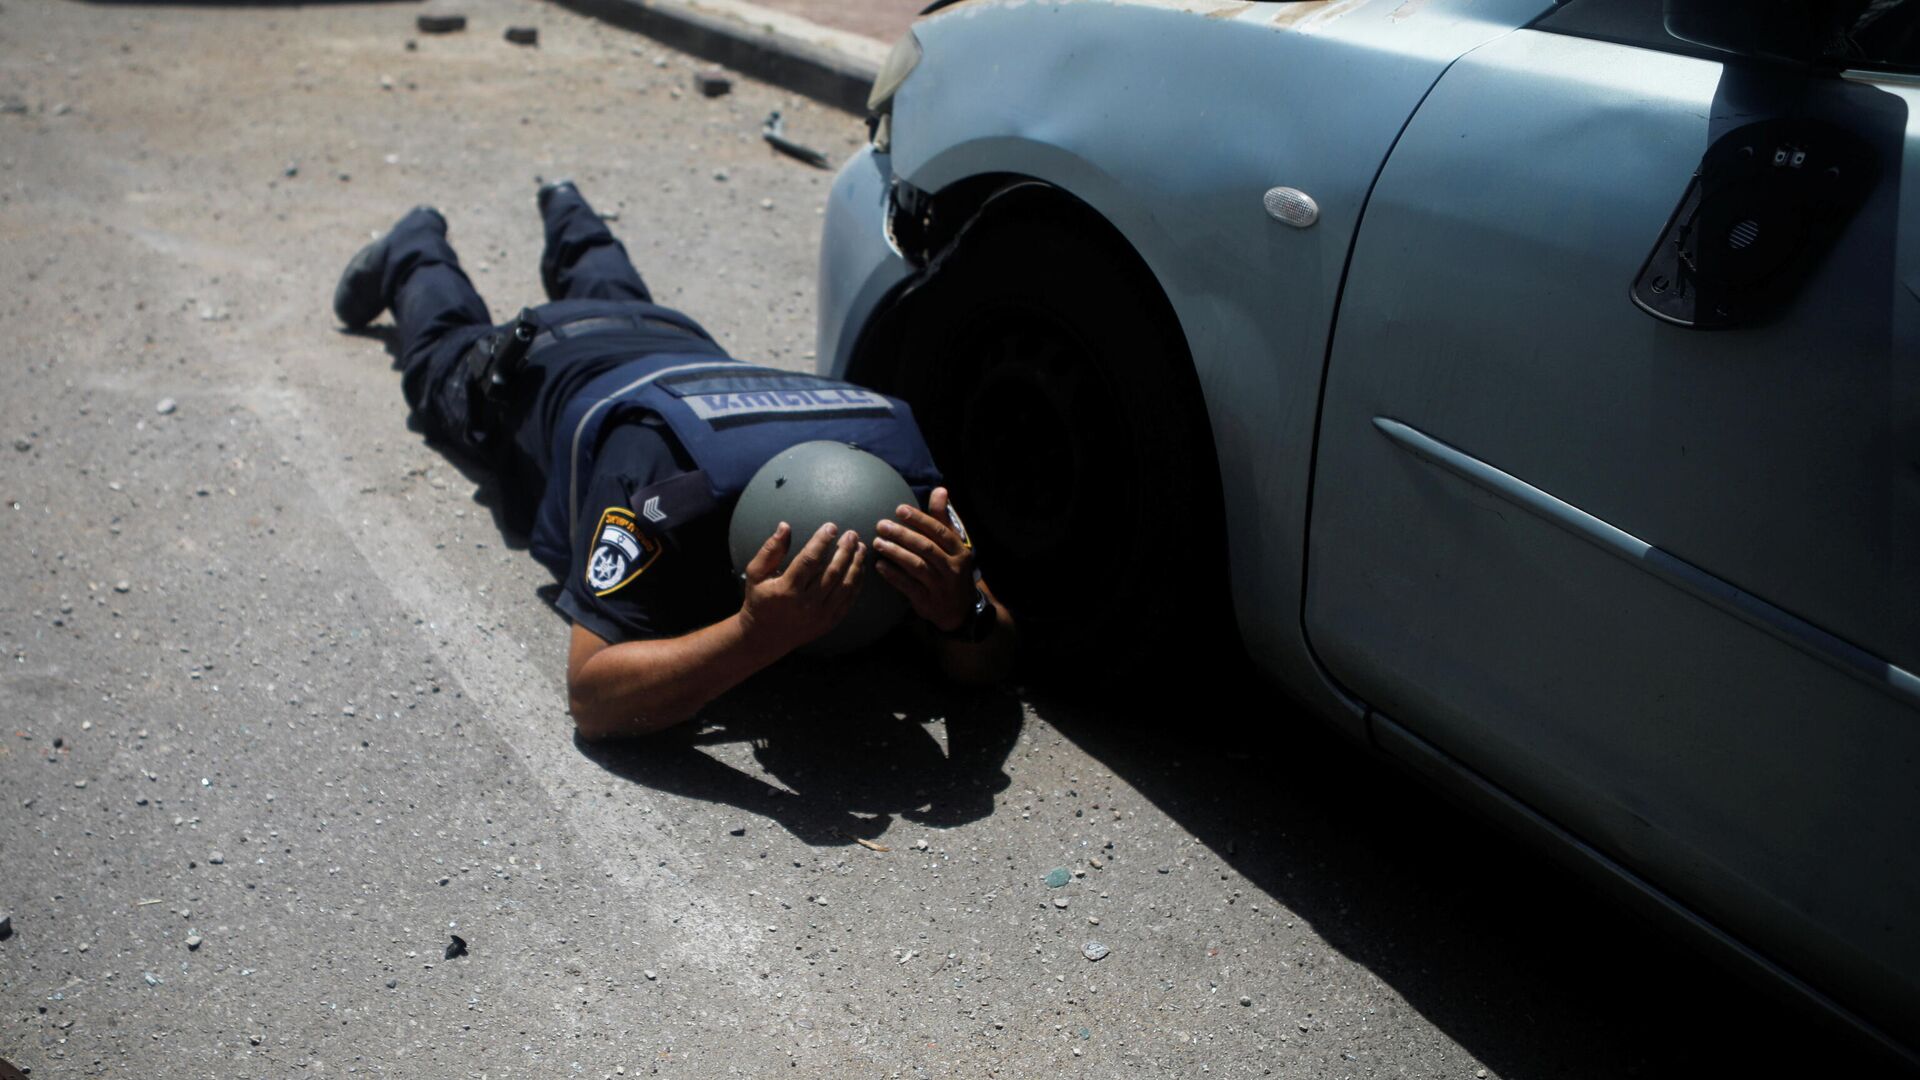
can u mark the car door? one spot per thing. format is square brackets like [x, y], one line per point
[1659, 582]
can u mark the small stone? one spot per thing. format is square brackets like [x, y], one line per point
[1094, 951]
[393, 984]
[766, 204]
[1093, 920]
[1245, 1000]
[346, 710]
[123, 585]
[292, 170]
[440, 24]
[921, 843]
[216, 858]
[412, 45]
[345, 177]
[711, 83]
[62, 109]
[85, 945]
[1058, 877]
[386, 82]
[443, 880]
[166, 406]
[1060, 902]
[1095, 862]
[152, 979]
[737, 830]
[659, 61]
[651, 974]
[720, 175]
[6, 927]
[253, 1040]
[23, 444]
[193, 941]
[456, 947]
[523, 35]
[1480, 1073]
[79, 783]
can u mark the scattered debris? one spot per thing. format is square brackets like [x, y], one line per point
[166, 406]
[774, 132]
[523, 35]
[1058, 877]
[144, 903]
[440, 24]
[1094, 951]
[456, 947]
[870, 845]
[711, 83]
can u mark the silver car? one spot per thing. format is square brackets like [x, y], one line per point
[1538, 384]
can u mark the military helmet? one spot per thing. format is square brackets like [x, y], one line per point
[807, 486]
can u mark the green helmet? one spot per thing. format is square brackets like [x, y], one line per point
[807, 486]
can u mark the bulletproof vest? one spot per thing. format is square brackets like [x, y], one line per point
[731, 418]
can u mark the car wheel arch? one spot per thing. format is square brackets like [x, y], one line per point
[982, 202]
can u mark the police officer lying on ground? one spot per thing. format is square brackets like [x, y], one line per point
[637, 435]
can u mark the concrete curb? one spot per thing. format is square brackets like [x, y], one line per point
[833, 67]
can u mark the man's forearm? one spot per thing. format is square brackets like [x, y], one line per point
[639, 687]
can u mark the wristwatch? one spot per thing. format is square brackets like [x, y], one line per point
[979, 622]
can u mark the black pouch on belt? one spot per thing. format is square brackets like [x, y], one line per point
[492, 364]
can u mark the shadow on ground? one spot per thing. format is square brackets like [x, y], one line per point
[1501, 948]
[856, 742]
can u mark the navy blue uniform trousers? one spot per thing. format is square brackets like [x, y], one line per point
[441, 318]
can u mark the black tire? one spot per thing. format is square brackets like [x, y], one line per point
[1050, 377]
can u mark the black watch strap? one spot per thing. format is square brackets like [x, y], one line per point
[979, 622]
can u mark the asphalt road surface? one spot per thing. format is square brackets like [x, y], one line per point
[281, 707]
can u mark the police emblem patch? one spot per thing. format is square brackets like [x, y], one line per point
[620, 552]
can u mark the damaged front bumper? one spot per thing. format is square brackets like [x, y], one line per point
[859, 264]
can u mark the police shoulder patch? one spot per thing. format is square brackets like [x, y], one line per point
[620, 551]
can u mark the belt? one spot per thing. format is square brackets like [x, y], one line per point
[601, 324]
